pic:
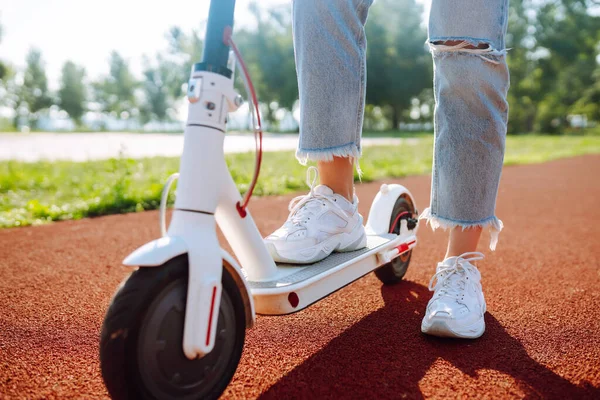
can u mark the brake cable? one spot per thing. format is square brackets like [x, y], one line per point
[255, 113]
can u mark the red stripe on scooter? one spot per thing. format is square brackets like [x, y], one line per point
[210, 318]
[404, 246]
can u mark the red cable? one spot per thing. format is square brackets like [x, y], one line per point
[258, 132]
[403, 213]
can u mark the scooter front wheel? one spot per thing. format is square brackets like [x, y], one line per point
[141, 354]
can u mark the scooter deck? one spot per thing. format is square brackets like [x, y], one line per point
[298, 286]
[307, 271]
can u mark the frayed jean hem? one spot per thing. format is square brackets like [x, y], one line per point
[495, 225]
[349, 150]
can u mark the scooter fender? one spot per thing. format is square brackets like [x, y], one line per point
[204, 282]
[156, 252]
[159, 251]
[206, 260]
[381, 210]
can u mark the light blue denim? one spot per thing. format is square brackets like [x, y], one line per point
[471, 80]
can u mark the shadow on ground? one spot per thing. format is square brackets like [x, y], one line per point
[387, 350]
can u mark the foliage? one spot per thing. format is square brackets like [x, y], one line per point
[523, 92]
[184, 51]
[269, 53]
[164, 77]
[33, 94]
[157, 99]
[3, 68]
[6, 74]
[398, 65]
[572, 38]
[36, 193]
[554, 64]
[555, 46]
[589, 103]
[116, 92]
[73, 93]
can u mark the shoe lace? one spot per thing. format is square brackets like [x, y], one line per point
[304, 206]
[451, 280]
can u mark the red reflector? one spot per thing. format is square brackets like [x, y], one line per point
[210, 318]
[293, 299]
[402, 248]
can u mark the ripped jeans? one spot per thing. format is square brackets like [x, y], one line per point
[471, 81]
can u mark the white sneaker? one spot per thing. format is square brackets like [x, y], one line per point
[457, 306]
[319, 223]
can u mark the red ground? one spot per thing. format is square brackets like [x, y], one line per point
[542, 288]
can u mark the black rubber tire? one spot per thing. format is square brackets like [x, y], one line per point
[394, 271]
[129, 372]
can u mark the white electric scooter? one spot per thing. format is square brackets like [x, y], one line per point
[175, 328]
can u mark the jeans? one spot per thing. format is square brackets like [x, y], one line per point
[471, 81]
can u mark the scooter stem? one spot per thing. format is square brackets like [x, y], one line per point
[216, 52]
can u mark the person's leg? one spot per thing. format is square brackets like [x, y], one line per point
[330, 51]
[462, 241]
[470, 88]
[338, 174]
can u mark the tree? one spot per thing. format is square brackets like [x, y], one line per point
[589, 103]
[569, 35]
[165, 76]
[6, 82]
[184, 52]
[116, 92]
[33, 93]
[398, 67]
[524, 90]
[72, 93]
[158, 99]
[269, 53]
[3, 69]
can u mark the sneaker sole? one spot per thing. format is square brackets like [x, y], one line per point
[321, 250]
[440, 328]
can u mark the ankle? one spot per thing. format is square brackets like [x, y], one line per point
[462, 240]
[348, 194]
[338, 175]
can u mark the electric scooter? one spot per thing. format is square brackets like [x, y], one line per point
[175, 328]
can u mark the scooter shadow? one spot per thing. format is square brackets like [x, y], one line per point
[385, 355]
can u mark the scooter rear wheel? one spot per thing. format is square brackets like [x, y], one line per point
[141, 353]
[395, 270]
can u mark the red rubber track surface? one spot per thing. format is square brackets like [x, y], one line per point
[542, 287]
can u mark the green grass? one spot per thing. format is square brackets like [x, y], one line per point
[394, 134]
[36, 193]
[528, 149]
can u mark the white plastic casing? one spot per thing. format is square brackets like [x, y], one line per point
[206, 193]
[159, 251]
[381, 210]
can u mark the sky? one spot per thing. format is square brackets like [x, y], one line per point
[85, 31]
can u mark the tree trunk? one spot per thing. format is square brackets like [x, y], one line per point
[395, 117]
[270, 115]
